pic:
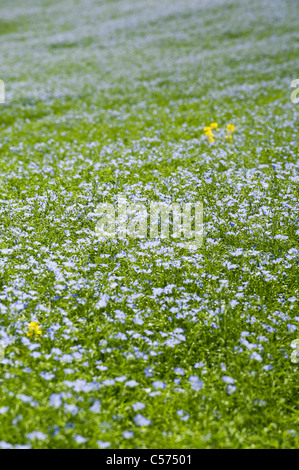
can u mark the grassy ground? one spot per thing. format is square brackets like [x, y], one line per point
[144, 343]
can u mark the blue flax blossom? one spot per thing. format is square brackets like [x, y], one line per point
[5, 445]
[256, 356]
[103, 445]
[80, 439]
[36, 435]
[96, 407]
[231, 389]
[227, 379]
[128, 434]
[179, 371]
[158, 384]
[195, 382]
[131, 383]
[47, 375]
[138, 406]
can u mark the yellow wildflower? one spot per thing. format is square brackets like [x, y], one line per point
[34, 329]
[214, 125]
[229, 137]
[230, 128]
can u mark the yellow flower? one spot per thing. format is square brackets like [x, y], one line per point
[230, 128]
[214, 125]
[34, 329]
[207, 129]
[229, 137]
[211, 139]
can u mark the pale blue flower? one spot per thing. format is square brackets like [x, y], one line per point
[96, 407]
[138, 406]
[36, 435]
[158, 384]
[179, 371]
[103, 445]
[231, 389]
[131, 383]
[3, 410]
[47, 375]
[5, 445]
[80, 439]
[256, 356]
[148, 371]
[195, 382]
[108, 382]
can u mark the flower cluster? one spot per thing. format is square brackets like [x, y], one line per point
[230, 128]
[34, 329]
[132, 342]
[210, 131]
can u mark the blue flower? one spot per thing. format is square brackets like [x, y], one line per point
[80, 439]
[227, 379]
[184, 416]
[96, 407]
[121, 379]
[231, 389]
[179, 371]
[47, 375]
[148, 371]
[3, 410]
[195, 382]
[198, 365]
[267, 367]
[256, 356]
[103, 445]
[154, 394]
[55, 400]
[291, 327]
[36, 435]
[108, 382]
[5, 445]
[128, 434]
[138, 406]
[73, 409]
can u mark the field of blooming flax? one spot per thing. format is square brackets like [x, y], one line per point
[141, 343]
